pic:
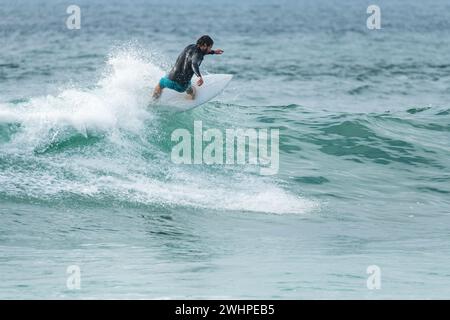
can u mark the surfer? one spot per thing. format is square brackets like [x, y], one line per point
[187, 64]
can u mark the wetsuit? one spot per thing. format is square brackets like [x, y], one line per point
[187, 64]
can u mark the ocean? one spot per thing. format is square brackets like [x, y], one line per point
[93, 207]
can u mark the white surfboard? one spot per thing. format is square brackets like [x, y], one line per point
[213, 84]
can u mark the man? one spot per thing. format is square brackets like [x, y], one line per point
[187, 64]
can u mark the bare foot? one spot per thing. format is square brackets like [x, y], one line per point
[190, 93]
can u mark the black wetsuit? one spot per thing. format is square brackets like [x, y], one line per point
[188, 63]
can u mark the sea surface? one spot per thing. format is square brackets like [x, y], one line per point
[87, 180]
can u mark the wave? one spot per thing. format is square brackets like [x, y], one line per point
[417, 136]
[104, 145]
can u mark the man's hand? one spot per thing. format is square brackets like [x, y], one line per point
[200, 82]
[218, 51]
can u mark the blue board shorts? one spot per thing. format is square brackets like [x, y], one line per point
[167, 83]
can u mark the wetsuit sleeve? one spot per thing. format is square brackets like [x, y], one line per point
[196, 60]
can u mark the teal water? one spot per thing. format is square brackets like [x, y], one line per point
[86, 177]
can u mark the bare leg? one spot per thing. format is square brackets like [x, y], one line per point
[190, 93]
[157, 92]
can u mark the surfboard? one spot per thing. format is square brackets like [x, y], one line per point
[213, 84]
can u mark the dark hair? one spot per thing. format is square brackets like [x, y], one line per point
[205, 40]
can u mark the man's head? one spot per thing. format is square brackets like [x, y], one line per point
[205, 43]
